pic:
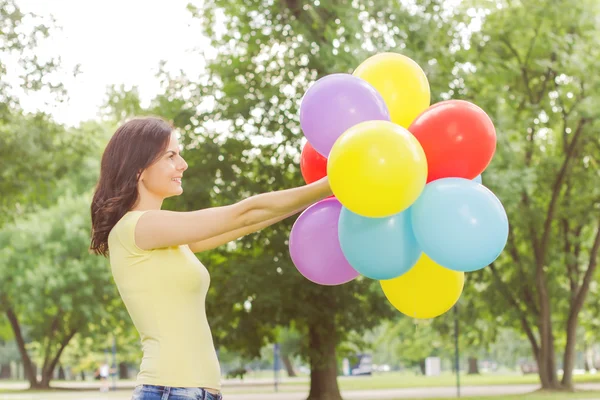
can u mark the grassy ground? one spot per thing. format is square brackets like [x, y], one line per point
[537, 396]
[125, 395]
[405, 380]
[255, 383]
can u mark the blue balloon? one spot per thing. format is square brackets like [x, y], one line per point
[460, 224]
[478, 179]
[378, 248]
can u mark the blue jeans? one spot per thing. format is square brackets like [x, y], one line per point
[153, 392]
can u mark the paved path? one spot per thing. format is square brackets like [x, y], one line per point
[379, 394]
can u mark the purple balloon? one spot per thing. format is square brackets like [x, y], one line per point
[315, 246]
[335, 103]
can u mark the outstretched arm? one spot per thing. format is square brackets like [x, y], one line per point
[209, 244]
[156, 229]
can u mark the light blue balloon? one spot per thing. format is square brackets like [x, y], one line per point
[478, 179]
[460, 224]
[378, 248]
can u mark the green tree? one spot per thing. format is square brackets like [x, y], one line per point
[529, 67]
[28, 166]
[241, 136]
[290, 340]
[247, 130]
[52, 285]
[21, 33]
[410, 342]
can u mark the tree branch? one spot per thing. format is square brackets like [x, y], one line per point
[536, 32]
[566, 113]
[522, 67]
[567, 251]
[504, 39]
[577, 251]
[589, 273]
[527, 294]
[515, 303]
[548, 76]
[63, 345]
[560, 179]
[16, 327]
[49, 337]
[532, 233]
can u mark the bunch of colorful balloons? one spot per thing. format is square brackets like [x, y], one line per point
[409, 208]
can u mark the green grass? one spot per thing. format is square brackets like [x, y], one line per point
[124, 394]
[533, 396]
[393, 380]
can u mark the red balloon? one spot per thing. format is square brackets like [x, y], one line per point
[312, 164]
[458, 137]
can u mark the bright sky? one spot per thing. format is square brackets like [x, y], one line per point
[115, 41]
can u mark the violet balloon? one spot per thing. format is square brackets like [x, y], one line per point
[315, 246]
[334, 104]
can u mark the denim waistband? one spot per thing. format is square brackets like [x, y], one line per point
[191, 392]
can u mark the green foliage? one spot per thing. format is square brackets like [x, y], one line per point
[35, 152]
[244, 138]
[20, 35]
[528, 66]
[51, 282]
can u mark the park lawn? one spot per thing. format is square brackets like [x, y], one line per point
[121, 394]
[393, 380]
[389, 380]
[533, 396]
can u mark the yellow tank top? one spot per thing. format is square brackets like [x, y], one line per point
[164, 291]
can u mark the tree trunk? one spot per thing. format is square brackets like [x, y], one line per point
[28, 367]
[589, 358]
[48, 370]
[473, 366]
[45, 382]
[5, 371]
[546, 359]
[576, 306]
[323, 362]
[569, 356]
[288, 366]
[547, 363]
[422, 367]
[123, 371]
[61, 373]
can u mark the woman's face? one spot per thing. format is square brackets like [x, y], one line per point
[163, 178]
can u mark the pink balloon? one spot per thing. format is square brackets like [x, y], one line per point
[315, 246]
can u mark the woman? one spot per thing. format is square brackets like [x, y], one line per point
[151, 252]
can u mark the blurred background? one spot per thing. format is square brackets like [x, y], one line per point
[230, 74]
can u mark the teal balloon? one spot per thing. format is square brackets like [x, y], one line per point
[478, 179]
[460, 224]
[378, 248]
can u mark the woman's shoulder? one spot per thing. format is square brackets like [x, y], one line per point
[129, 218]
[124, 230]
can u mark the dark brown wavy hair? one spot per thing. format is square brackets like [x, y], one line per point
[135, 146]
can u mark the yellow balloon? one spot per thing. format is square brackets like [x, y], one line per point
[426, 291]
[401, 82]
[377, 168]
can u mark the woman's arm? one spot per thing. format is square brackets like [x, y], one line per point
[159, 228]
[214, 242]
